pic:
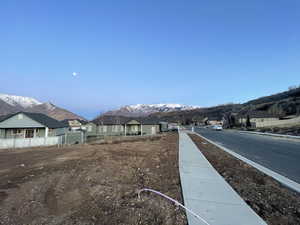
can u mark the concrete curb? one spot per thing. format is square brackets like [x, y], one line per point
[206, 193]
[270, 134]
[282, 179]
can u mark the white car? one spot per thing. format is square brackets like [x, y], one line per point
[217, 127]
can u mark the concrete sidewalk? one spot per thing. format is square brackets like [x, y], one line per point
[206, 193]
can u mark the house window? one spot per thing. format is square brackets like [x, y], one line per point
[20, 116]
[16, 131]
[29, 133]
[89, 128]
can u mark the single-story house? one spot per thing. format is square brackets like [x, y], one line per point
[74, 125]
[258, 119]
[117, 125]
[29, 125]
[91, 128]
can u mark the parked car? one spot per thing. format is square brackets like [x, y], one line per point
[217, 127]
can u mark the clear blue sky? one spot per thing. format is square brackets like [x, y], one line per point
[131, 51]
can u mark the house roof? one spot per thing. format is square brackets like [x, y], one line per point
[111, 120]
[149, 120]
[39, 117]
[66, 122]
[258, 114]
[83, 122]
[2, 118]
[115, 120]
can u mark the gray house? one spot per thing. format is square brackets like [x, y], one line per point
[29, 125]
[117, 125]
[76, 125]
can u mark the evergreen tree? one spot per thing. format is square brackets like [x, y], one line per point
[248, 123]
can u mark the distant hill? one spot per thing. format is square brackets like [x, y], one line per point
[12, 103]
[6, 108]
[188, 116]
[282, 104]
[54, 111]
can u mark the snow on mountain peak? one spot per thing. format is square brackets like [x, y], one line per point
[168, 106]
[14, 100]
[147, 109]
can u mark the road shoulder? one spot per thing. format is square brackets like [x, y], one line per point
[207, 193]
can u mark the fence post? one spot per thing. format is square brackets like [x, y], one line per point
[58, 142]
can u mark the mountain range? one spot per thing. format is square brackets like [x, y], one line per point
[12, 103]
[142, 110]
[281, 104]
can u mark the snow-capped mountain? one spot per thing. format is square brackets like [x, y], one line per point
[12, 104]
[24, 102]
[147, 109]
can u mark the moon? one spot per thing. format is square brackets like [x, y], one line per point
[74, 74]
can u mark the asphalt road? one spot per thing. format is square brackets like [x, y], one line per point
[278, 154]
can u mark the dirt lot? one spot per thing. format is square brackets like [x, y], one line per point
[91, 184]
[276, 204]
